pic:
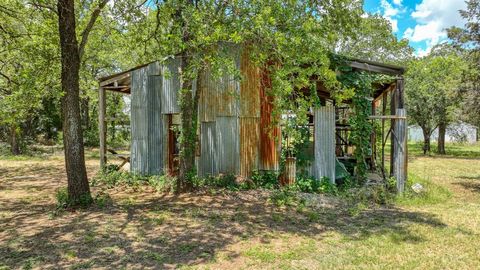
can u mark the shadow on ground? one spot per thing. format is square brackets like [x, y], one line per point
[151, 231]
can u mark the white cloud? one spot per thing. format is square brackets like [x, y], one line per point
[433, 17]
[389, 12]
[397, 2]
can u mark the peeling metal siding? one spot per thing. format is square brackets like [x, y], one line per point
[170, 71]
[249, 87]
[269, 135]
[207, 163]
[324, 163]
[249, 145]
[228, 144]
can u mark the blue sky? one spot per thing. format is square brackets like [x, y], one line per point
[422, 22]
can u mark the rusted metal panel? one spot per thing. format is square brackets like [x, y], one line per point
[249, 87]
[170, 71]
[228, 91]
[290, 170]
[207, 163]
[249, 145]
[207, 110]
[228, 144]
[270, 142]
[324, 163]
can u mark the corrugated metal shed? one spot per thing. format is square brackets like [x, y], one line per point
[249, 145]
[324, 163]
[228, 144]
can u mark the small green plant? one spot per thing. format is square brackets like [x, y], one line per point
[285, 196]
[266, 179]
[163, 183]
[61, 195]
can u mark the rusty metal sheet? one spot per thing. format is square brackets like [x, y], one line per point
[324, 163]
[249, 145]
[270, 140]
[228, 144]
[207, 110]
[249, 87]
[207, 162]
[228, 91]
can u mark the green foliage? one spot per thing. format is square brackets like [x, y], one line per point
[310, 185]
[63, 201]
[285, 196]
[265, 179]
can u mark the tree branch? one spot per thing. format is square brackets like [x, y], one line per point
[42, 6]
[89, 26]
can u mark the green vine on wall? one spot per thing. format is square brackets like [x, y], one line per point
[361, 126]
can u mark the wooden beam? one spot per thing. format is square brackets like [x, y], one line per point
[386, 117]
[114, 79]
[102, 128]
[374, 68]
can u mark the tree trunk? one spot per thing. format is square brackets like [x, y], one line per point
[14, 145]
[426, 141]
[442, 128]
[188, 131]
[78, 188]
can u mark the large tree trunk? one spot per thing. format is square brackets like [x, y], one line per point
[188, 131]
[14, 145]
[442, 129]
[426, 141]
[78, 188]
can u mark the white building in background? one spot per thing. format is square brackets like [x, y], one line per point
[456, 132]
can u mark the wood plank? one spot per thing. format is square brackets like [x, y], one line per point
[102, 126]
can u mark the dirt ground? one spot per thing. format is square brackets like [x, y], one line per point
[215, 229]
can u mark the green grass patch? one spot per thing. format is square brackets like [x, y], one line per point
[432, 193]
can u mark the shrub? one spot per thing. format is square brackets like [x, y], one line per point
[265, 179]
[163, 183]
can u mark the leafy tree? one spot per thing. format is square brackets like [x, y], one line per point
[468, 40]
[375, 41]
[432, 86]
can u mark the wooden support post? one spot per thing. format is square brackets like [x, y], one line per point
[373, 140]
[102, 128]
[400, 154]
[384, 110]
[393, 107]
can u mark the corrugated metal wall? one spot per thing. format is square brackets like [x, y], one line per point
[147, 122]
[231, 115]
[228, 144]
[324, 163]
[170, 72]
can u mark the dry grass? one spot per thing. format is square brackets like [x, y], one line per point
[228, 230]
